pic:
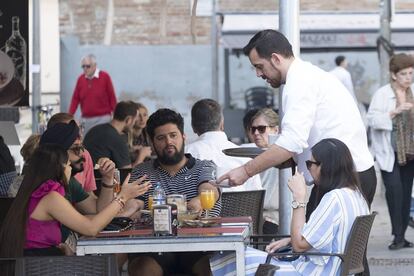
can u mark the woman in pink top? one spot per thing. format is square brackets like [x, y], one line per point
[32, 225]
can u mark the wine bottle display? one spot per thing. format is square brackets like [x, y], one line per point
[16, 49]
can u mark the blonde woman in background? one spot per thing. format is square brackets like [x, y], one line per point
[138, 142]
[263, 125]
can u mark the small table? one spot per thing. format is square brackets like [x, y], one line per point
[252, 152]
[230, 235]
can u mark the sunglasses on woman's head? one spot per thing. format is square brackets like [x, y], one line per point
[261, 129]
[309, 163]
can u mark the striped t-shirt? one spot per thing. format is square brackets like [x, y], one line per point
[185, 181]
[328, 228]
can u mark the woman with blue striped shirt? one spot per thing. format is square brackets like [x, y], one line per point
[327, 230]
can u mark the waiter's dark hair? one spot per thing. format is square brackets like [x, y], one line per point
[267, 42]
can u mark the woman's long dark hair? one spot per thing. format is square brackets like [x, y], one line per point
[46, 164]
[337, 167]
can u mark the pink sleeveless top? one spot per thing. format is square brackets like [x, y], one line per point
[42, 234]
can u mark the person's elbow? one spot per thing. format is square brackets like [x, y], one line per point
[92, 232]
[91, 229]
[300, 245]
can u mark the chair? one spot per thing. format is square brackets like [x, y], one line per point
[67, 265]
[352, 258]
[259, 97]
[246, 203]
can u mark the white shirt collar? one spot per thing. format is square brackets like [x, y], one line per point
[214, 134]
[95, 75]
[291, 70]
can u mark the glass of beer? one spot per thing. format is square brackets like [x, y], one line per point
[207, 200]
[150, 202]
[117, 182]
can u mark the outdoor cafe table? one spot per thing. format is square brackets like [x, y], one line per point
[231, 234]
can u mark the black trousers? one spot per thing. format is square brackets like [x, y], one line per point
[398, 187]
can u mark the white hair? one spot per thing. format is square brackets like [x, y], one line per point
[90, 57]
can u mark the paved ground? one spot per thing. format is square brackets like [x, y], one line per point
[383, 261]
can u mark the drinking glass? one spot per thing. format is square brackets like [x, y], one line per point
[179, 200]
[207, 200]
[150, 202]
[117, 182]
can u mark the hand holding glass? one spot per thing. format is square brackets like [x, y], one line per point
[207, 199]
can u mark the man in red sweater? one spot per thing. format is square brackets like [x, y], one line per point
[95, 94]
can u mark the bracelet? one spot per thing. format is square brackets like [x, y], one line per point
[107, 186]
[245, 170]
[120, 201]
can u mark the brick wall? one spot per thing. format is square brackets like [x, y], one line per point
[160, 22]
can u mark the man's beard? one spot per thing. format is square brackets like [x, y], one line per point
[164, 159]
[77, 166]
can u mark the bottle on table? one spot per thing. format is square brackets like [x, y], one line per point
[164, 215]
[158, 196]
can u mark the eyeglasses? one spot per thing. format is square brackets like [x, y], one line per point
[261, 129]
[86, 66]
[77, 149]
[309, 163]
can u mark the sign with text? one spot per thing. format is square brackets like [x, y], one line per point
[14, 53]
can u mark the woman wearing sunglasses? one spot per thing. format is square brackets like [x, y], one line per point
[263, 125]
[327, 230]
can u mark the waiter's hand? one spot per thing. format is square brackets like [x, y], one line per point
[236, 177]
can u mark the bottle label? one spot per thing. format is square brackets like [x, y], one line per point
[162, 221]
[158, 201]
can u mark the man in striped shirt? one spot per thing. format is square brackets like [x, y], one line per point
[178, 173]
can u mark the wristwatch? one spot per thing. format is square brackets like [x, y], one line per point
[296, 204]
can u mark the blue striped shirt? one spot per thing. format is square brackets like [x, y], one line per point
[328, 228]
[327, 231]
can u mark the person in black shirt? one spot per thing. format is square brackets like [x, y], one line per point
[107, 140]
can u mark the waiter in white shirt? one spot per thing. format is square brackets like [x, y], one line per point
[316, 105]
